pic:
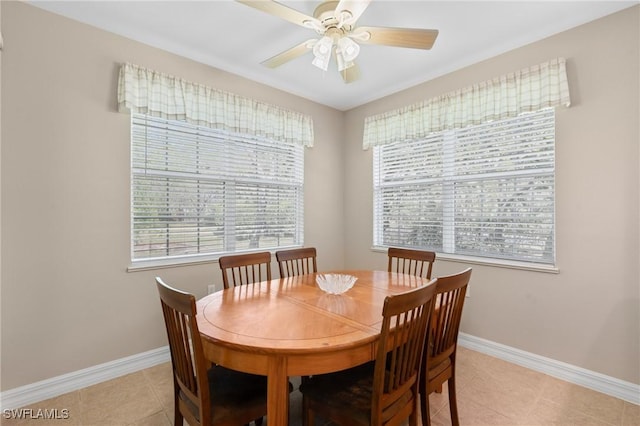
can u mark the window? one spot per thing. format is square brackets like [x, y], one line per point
[201, 191]
[485, 190]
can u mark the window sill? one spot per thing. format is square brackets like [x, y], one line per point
[147, 265]
[499, 263]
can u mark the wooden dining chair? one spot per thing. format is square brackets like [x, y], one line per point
[439, 362]
[299, 261]
[412, 262]
[385, 391]
[202, 396]
[247, 268]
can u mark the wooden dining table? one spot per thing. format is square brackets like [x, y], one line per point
[290, 327]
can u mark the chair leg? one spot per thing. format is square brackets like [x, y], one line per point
[308, 416]
[453, 405]
[424, 399]
[177, 415]
[177, 418]
[426, 412]
[413, 417]
[439, 389]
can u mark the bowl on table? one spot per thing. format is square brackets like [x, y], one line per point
[335, 283]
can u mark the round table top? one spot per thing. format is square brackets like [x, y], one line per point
[293, 315]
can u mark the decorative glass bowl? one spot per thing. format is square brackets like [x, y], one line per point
[335, 283]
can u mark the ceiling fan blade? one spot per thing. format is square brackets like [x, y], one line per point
[351, 74]
[287, 55]
[285, 12]
[353, 7]
[414, 38]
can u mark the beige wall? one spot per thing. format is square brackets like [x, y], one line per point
[0, 192]
[588, 314]
[67, 301]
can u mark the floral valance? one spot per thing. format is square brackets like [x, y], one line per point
[530, 89]
[145, 91]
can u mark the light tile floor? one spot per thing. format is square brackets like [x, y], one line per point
[490, 392]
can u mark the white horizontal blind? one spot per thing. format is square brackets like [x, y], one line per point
[202, 191]
[484, 190]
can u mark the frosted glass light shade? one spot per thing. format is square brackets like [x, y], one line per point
[322, 53]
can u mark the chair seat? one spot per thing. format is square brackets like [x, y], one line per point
[349, 391]
[231, 391]
[225, 383]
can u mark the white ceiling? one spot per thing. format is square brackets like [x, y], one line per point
[236, 38]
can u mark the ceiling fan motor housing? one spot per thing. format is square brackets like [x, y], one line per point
[325, 13]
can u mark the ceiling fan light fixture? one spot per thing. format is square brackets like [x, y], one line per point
[323, 64]
[322, 53]
[342, 63]
[349, 48]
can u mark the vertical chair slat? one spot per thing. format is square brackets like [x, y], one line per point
[297, 261]
[244, 269]
[412, 262]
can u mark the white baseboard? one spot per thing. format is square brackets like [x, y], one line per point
[56, 386]
[626, 391]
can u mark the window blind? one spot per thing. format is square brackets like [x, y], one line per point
[202, 191]
[485, 190]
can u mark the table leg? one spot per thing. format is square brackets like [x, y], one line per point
[278, 392]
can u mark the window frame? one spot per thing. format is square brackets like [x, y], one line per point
[294, 184]
[448, 251]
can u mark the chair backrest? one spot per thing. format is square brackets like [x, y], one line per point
[248, 268]
[398, 361]
[412, 262]
[445, 324]
[297, 261]
[187, 357]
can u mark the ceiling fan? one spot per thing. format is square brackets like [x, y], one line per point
[334, 22]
